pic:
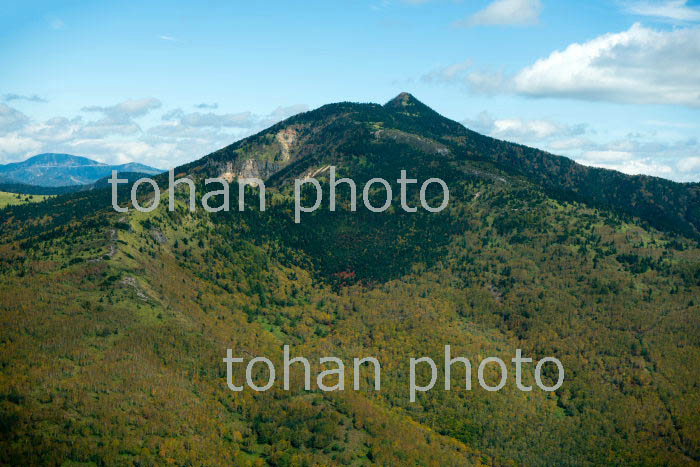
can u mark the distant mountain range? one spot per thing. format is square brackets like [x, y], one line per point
[64, 170]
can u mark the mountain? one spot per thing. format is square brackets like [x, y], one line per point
[282, 152]
[58, 170]
[103, 182]
[114, 325]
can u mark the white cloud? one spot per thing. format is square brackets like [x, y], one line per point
[677, 10]
[127, 109]
[535, 128]
[204, 105]
[158, 154]
[487, 82]
[178, 120]
[607, 156]
[477, 81]
[506, 12]
[568, 144]
[107, 127]
[210, 119]
[13, 144]
[667, 124]
[646, 153]
[54, 130]
[688, 169]
[448, 74]
[639, 65]
[167, 38]
[633, 167]
[636, 154]
[525, 131]
[282, 113]
[482, 123]
[690, 164]
[19, 97]
[11, 119]
[117, 119]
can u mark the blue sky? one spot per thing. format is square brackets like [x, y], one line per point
[611, 83]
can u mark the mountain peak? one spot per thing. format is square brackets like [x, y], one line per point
[404, 99]
[406, 104]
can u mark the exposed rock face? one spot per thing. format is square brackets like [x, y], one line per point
[286, 138]
[315, 172]
[249, 168]
[261, 165]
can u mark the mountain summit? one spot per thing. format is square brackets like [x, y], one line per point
[55, 160]
[404, 99]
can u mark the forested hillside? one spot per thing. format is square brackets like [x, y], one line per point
[114, 325]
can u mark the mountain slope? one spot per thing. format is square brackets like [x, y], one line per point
[114, 325]
[312, 140]
[58, 170]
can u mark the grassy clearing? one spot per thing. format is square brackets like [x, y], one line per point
[8, 199]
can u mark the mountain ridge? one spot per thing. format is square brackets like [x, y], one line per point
[63, 170]
[665, 204]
